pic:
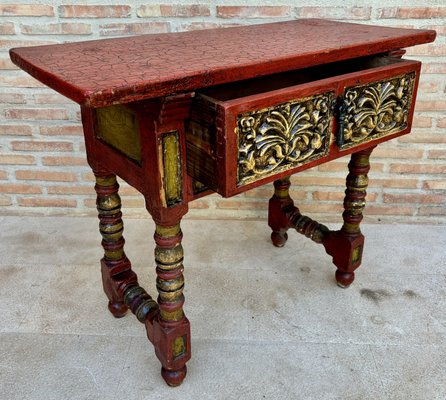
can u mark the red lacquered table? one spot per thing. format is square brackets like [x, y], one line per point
[181, 115]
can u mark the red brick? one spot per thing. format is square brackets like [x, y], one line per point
[428, 50]
[62, 130]
[26, 10]
[414, 198]
[7, 44]
[432, 211]
[437, 154]
[20, 189]
[195, 26]
[423, 138]
[440, 29]
[338, 196]
[82, 190]
[198, 205]
[174, 10]
[64, 28]
[3, 175]
[5, 200]
[300, 180]
[12, 98]
[431, 105]
[322, 208]
[396, 183]
[350, 13]
[334, 166]
[435, 185]
[15, 130]
[7, 64]
[418, 169]
[21, 80]
[51, 98]
[45, 176]
[39, 202]
[386, 152]
[7, 28]
[429, 87]
[36, 113]
[67, 161]
[413, 12]
[421, 122]
[433, 68]
[252, 11]
[134, 28]
[98, 11]
[375, 209]
[34, 145]
[241, 205]
[17, 159]
[266, 192]
[441, 122]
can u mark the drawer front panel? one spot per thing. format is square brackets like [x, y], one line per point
[375, 110]
[282, 137]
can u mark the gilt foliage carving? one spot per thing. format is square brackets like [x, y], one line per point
[282, 137]
[377, 109]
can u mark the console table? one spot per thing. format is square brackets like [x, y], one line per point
[181, 115]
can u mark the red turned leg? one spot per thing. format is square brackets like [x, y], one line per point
[171, 331]
[346, 245]
[277, 220]
[117, 275]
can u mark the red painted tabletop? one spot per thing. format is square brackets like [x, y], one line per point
[111, 71]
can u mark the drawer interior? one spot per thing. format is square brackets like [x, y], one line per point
[234, 90]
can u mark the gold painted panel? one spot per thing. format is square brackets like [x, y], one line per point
[376, 109]
[282, 137]
[172, 168]
[118, 127]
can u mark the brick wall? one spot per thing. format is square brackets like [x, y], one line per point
[42, 155]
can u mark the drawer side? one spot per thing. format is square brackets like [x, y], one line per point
[201, 142]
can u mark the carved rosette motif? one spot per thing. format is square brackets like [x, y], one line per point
[376, 109]
[283, 137]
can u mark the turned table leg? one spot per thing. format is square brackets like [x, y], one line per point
[171, 330]
[346, 245]
[117, 275]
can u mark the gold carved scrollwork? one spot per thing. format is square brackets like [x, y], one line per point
[283, 137]
[377, 109]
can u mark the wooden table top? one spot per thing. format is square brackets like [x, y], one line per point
[111, 71]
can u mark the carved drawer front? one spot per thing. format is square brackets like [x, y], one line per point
[244, 134]
[373, 110]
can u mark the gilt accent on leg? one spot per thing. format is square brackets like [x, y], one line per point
[115, 266]
[346, 245]
[171, 330]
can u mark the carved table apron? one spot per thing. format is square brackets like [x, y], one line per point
[182, 115]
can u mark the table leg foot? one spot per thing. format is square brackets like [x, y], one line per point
[344, 279]
[174, 377]
[279, 238]
[117, 308]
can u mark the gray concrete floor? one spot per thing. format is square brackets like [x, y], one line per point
[267, 323]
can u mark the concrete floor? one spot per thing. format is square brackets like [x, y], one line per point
[267, 323]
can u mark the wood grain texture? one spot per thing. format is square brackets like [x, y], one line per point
[112, 71]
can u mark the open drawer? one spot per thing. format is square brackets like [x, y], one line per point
[248, 133]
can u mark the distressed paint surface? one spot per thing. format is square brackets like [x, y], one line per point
[103, 72]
